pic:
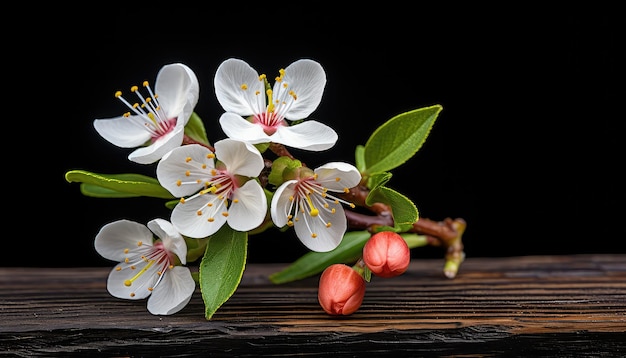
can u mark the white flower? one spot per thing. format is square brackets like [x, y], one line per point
[220, 192]
[306, 204]
[157, 122]
[295, 95]
[147, 267]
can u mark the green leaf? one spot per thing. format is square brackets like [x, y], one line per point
[397, 140]
[403, 209]
[378, 179]
[311, 263]
[222, 267]
[116, 185]
[195, 129]
[100, 192]
[359, 158]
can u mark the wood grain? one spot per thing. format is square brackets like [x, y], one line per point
[534, 305]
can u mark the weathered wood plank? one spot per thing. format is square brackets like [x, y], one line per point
[494, 305]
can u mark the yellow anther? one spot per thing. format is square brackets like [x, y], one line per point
[126, 251]
[171, 266]
[236, 201]
[210, 220]
[150, 289]
[187, 173]
[329, 224]
[289, 223]
[209, 204]
[145, 83]
[337, 179]
[135, 105]
[346, 190]
[210, 155]
[199, 212]
[179, 183]
[313, 235]
[127, 114]
[134, 88]
[126, 260]
[182, 200]
[203, 166]
[148, 99]
[256, 93]
[352, 206]
[278, 79]
[198, 181]
[118, 94]
[213, 172]
[291, 198]
[332, 211]
[159, 273]
[133, 267]
[225, 214]
[244, 86]
[326, 205]
[118, 268]
[132, 294]
[285, 86]
[139, 243]
[262, 77]
[187, 160]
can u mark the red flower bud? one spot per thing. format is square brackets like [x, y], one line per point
[386, 254]
[341, 290]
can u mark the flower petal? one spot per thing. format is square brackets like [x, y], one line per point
[229, 81]
[142, 278]
[249, 206]
[174, 166]
[194, 219]
[309, 135]
[172, 239]
[114, 238]
[306, 78]
[155, 151]
[281, 203]
[124, 132]
[178, 91]
[349, 174]
[239, 157]
[327, 238]
[236, 127]
[173, 292]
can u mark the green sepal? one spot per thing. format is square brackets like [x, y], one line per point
[349, 250]
[195, 130]
[222, 267]
[117, 185]
[397, 140]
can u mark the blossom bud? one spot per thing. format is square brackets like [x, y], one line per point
[341, 290]
[386, 254]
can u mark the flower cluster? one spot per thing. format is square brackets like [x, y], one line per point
[224, 191]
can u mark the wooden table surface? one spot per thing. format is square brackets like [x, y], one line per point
[562, 306]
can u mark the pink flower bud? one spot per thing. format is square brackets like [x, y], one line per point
[386, 254]
[341, 290]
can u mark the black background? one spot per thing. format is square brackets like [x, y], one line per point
[528, 149]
